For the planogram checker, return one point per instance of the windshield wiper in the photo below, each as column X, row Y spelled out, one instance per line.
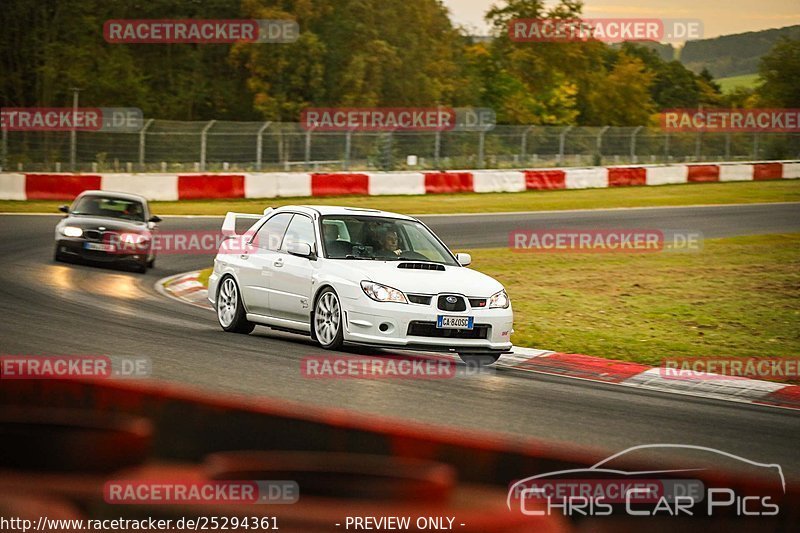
column 360, row 258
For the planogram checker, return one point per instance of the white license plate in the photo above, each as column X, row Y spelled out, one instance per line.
column 99, row 246
column 454, row 322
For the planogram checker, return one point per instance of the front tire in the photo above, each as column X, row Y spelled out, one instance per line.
column 230, row 308
column 140, row 268
column 326, row 321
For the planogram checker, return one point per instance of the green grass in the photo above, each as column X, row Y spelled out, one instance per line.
column 748, row 81
column 739, row 297
column 204, row 275
column 666, row 195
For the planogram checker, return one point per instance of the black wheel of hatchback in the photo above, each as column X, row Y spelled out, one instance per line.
column 140, row 267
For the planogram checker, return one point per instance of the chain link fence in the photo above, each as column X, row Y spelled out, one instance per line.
column 168, row 146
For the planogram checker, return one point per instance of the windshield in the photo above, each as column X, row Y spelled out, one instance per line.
column 105, row 206
column 381, row 239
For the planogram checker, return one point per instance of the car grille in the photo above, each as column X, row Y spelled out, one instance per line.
column 425, row 299
column 419, row 328
column 422, row 299
column 93, row 234
column 444, row 305
column 421, row 266
column 97, row 235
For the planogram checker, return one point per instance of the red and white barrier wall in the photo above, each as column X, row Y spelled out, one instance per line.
column 51, row 186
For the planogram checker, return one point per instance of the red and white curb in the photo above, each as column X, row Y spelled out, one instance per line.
column 185, row 288
column 194, row 186
column 636, row 375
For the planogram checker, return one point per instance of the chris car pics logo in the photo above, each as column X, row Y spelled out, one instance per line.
column 606, row 488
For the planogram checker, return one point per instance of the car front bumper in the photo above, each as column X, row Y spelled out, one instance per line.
column 75, row 248
column 413, row 326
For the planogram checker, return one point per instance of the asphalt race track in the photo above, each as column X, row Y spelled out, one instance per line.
column 491, row 230
column 52, row 308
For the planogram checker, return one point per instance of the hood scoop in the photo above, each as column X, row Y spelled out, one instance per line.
column 421, row 266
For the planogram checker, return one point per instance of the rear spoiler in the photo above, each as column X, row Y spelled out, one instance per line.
column 229, row 225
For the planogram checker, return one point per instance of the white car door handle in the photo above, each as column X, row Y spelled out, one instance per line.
column 278, row 262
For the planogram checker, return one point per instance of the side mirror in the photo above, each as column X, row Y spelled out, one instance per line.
column 464, row 259
column 64, row 209
column 301, row 249
column 154, row 219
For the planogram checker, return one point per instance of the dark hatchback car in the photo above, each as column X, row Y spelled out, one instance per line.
column 107, row 227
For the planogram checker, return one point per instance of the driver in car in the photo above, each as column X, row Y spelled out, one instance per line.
column 134, row 211
column 388, row 245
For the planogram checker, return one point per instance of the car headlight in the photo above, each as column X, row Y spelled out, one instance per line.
column 71, row 231
column 382, row 293
column 499, row 300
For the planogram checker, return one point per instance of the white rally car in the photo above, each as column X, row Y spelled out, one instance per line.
column 358, row 276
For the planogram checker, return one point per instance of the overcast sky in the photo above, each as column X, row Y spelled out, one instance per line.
column 720, row 17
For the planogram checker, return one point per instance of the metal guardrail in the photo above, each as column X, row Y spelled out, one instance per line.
column 164, row 146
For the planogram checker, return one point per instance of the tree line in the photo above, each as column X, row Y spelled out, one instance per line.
column 354, row 53
column 733, row 55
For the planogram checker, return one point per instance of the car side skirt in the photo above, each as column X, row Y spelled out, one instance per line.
column 280, row 323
